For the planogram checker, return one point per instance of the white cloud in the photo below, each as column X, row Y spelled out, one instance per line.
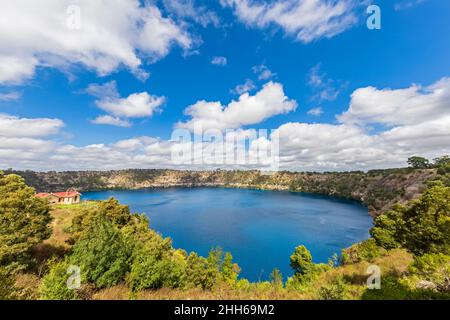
column 247, row 86
column 392, row 107
column 189, row 9
column 136, row 105
column 28, row 144
column 110, row 34
column 247, row 110
column 113, row 121
column 315, row 111
column 306, row 20
column 219, row 61
column 10, row 96
column 263, row 72
column 11, row 126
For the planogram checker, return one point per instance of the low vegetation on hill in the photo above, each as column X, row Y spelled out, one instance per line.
column 99, row 250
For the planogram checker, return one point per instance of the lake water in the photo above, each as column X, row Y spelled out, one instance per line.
column 260, row 228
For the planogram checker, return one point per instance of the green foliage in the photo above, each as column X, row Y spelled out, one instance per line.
column 24, row 222
column 7, row 289
column 434, row 269
column 304, row 269
column 115, row 212
column 102, row 254
column 422, row 227
column 54, row 284
column 200, row 272
column 334, row 291
column 366, row 250
column 276, row 278
column 392, row 288
column 301, row 261
column 155, row 265
column 230, row 270
column 418, row 162
column 443, row 161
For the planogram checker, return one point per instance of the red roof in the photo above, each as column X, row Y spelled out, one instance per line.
column 57, row 194
column 66, row 194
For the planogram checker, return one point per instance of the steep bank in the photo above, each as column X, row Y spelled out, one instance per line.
column 378, row 189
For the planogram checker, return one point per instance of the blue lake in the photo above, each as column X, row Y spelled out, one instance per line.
column 260, row 228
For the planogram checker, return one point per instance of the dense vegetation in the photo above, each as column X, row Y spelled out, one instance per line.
column 117, row 255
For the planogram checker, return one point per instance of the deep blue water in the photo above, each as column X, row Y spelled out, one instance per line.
column 260, row 228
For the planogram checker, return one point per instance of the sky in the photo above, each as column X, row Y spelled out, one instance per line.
column 99, row 85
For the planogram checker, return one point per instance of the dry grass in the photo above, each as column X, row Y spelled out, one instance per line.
column 62, row 218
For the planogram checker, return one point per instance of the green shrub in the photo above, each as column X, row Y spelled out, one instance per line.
column 102, row 254
column 7, row 289
column 364, row 251
column 432, row 270
column 155, row 265
column 54, row 284
column 334, row 291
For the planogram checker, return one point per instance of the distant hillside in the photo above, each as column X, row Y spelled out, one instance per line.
column 379, row 189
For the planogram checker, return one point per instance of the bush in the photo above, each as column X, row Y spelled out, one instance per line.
column 54, row 284
column 102, row 254
column 7, row 289
column 334, row 291
column 155, row 265
column 422, row 227
column 432, row 271
column 364, row 251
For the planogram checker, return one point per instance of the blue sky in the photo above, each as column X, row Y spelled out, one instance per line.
column 412, row 47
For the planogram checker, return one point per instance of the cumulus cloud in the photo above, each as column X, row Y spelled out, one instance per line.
column 269, row 101
column 219, row 61
column 392, row 107
column 11, row 126
column 100, row 35
column 348, row 145
column 136, row 105
column 305, row 20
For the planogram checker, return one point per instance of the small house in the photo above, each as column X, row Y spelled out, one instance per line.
column 68, row 197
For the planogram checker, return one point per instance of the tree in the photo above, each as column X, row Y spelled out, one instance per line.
column 102, row 254
column 24, row 222
column 418, row 162
column 276, row 278
column 230, row 270
column 422, row 227
column 301, row 261
column 441, row 161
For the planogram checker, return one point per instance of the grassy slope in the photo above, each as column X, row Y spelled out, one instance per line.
column 395, row 262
